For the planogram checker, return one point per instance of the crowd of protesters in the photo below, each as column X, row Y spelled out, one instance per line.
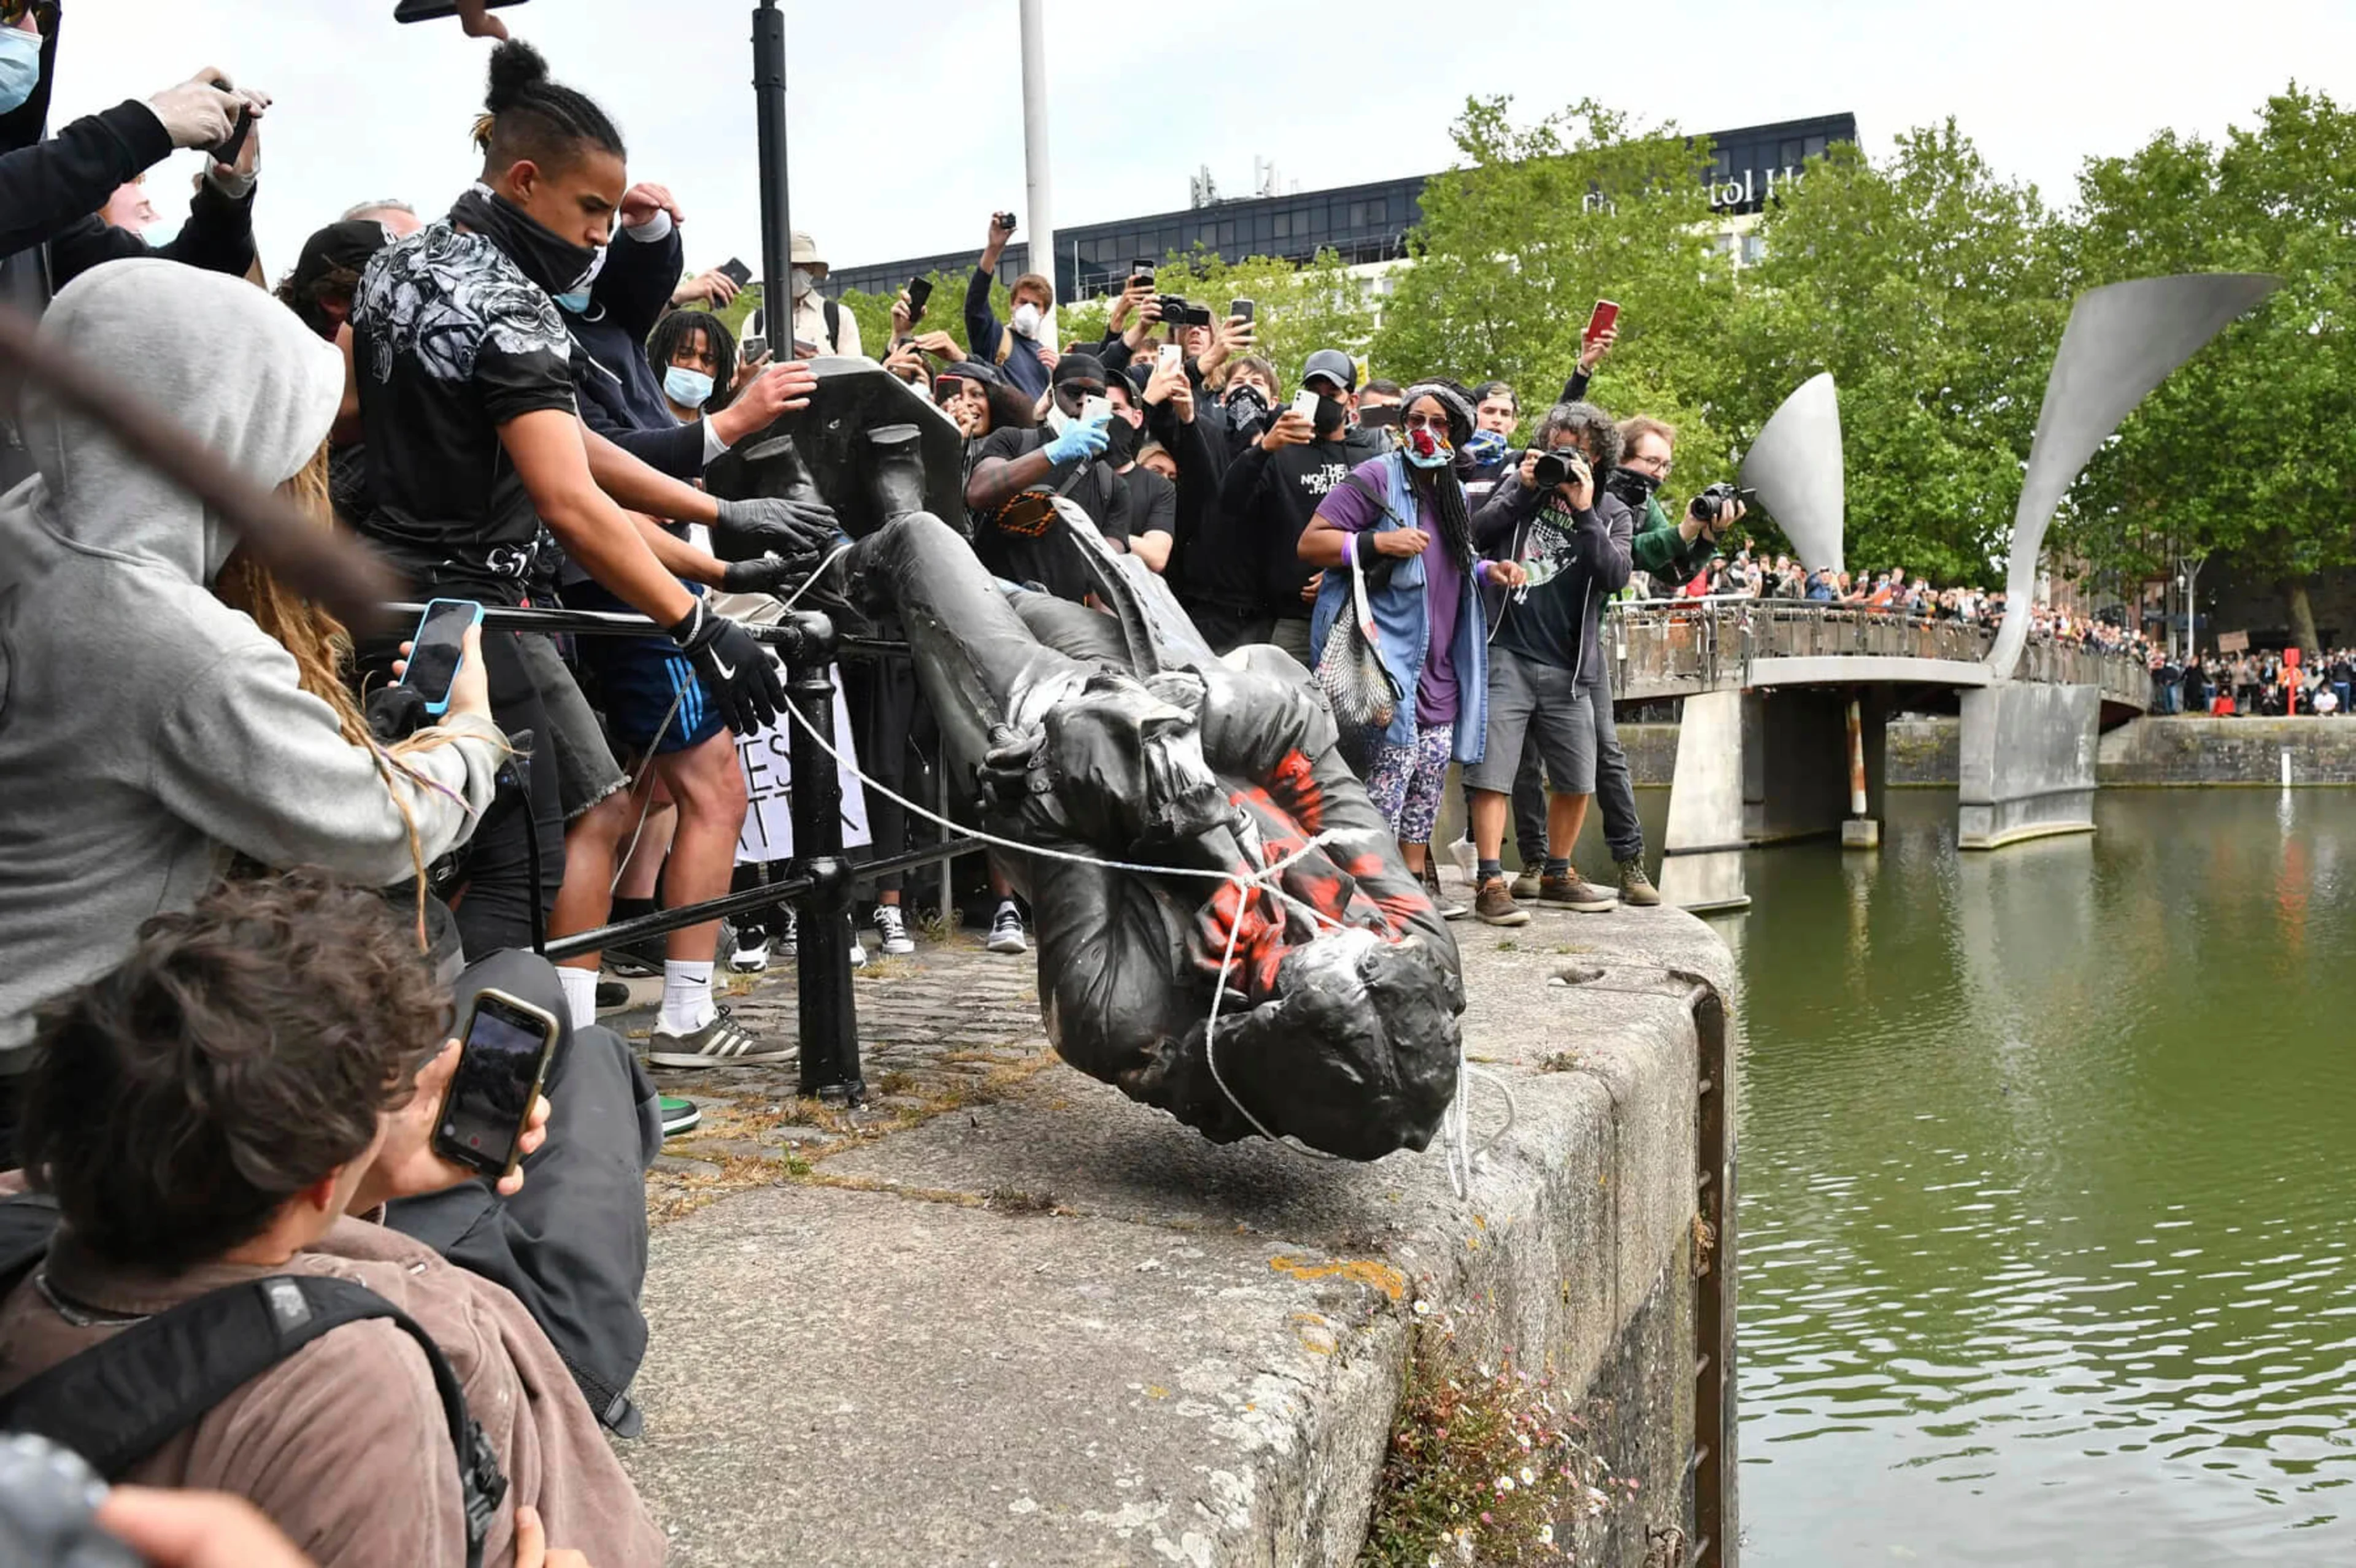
column 2264, row 684
column 217, row 1082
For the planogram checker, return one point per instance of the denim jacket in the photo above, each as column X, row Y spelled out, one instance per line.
column 1402, row 628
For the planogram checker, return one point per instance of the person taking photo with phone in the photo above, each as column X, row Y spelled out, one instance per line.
column 170, row 707
column 1021, row 355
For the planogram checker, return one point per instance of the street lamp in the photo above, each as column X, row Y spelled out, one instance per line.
column 777, row 223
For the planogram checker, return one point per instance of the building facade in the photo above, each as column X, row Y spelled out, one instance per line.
column 1363, row 224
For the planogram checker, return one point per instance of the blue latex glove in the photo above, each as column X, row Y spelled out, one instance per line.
column 1077, row 440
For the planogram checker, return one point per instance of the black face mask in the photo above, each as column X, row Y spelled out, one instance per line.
column 1633, row 485
column 1121, row 440
column 556, row 264
column 1245, row 406
column 1331, row 415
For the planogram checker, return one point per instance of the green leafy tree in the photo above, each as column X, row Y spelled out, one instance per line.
column 2249, row 449
column 1538, row 222
column 1932, row 290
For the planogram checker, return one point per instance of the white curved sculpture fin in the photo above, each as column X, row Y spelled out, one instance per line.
column 1795, row 466
column 2122, row 341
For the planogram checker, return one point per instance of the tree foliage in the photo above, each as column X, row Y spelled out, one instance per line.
column 2251, row 447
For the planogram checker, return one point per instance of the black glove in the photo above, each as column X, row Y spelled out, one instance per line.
column 735, row 669
column 763, row 574
column 793, row 529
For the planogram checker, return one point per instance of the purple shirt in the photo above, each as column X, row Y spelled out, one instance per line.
column 1348, row 510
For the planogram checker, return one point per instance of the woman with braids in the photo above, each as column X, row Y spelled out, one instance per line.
column 1401, row 520
column 163, row 707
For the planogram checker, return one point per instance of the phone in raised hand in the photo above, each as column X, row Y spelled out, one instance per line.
column 1304, row 403
column 737, row 271
column 1605, row 318
column 1170, row 357
column 437, row 650
column 1096, row 410
column 503, row 1059
column 919, row 291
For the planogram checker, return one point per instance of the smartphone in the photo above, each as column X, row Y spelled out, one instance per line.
column 919, row 291
column 228, row 151
column 1243, row 308
column 1380, row 416
column 1304, row 403
column 751, row 348
column 948, row 387
column 1606, row 316
column 737, row 271
column 434, row 10
column 1172, row 356
column 502, row 1058
column 437, row 650
column 1096, row 409
column 1141, row 271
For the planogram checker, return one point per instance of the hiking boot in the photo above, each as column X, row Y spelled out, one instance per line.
column 1495, row 906
column 1526, row 887
column 1450, row 908
column 723, row 1042
column 1006, row 933
column 1635, row 887
column 678, row 1115
column 892, row 927
column 1572, row 890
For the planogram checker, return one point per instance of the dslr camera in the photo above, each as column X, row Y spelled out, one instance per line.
column 1713, row 505
column 1176, row 312
column 1560, row 469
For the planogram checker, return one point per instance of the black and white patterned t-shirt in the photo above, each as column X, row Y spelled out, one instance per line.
column 450, row 341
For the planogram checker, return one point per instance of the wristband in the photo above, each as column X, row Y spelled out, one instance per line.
column 1368, row 554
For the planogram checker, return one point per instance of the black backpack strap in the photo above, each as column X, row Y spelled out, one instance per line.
column 119, row 1400
column 834, row 326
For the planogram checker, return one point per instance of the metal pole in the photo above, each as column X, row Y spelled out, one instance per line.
column 1035, row 154
column 1856, row 760
column 830, row 1016
column 776, row 222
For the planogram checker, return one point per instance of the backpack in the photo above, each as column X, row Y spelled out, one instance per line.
column 119, row 1400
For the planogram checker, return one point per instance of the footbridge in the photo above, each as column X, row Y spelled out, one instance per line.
column 1783, row 707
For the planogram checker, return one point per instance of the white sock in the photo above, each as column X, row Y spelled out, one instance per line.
column 580, row 993
column 687, row 1003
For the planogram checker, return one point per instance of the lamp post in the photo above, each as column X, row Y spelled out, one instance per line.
column 777, row 222
column 1034, row 158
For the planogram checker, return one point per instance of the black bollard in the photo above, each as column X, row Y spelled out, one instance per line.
column 829, row 1015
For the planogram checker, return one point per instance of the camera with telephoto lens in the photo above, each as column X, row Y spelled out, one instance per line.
column 1716, row 505
column 1560, row 469
column 48, row 1503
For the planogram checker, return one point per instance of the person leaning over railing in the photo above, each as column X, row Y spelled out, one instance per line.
column 169, row 707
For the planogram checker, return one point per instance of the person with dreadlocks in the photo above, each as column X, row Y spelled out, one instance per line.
column 169, row 706
column 1400, row 521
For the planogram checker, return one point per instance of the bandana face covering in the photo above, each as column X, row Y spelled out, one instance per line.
column 1486, row 446
column 557, row 265
column 1426, row 450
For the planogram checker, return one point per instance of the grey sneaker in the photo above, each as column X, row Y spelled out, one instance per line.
column 892, row 926
column 1572, row 890
column 1495, row 906
column 1449, row 907
column 1635, row 887
column 1006, row 933
column 1526, row 887
column 723, row 1042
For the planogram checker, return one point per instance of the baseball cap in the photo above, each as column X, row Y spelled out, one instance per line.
column 1333, row 365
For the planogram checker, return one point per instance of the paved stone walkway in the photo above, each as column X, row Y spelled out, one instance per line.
column 952, row 1025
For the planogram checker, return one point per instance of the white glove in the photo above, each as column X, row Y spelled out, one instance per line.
column 196, row 114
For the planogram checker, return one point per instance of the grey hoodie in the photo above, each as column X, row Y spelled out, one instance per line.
column 147, row 729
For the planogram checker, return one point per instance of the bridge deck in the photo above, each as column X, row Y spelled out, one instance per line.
column 1663, row 648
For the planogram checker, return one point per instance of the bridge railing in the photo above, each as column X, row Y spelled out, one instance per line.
column 1678, row 648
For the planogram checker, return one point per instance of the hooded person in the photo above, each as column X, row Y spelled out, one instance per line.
column 149, row 731
column 1015, row 472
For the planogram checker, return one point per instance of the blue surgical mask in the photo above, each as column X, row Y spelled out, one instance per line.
column 20, row 67
column 577, row 301
column 688, row 389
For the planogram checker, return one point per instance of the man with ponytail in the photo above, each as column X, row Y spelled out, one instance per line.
column 476, row 442
column 1399, row 521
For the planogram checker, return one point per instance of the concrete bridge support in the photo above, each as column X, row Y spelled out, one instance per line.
column 1762, row 767
column 2028, row 763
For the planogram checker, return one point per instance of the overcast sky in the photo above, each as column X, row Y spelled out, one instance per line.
column 906, row 124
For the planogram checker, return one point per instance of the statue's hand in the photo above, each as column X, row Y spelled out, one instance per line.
column 1014, row 769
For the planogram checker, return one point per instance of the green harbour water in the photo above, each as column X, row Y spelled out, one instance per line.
column 2046, row 1191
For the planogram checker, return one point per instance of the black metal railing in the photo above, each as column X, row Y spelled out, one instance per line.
column 818, row 878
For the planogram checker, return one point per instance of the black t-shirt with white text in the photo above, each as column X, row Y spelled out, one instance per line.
column 450, row 341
